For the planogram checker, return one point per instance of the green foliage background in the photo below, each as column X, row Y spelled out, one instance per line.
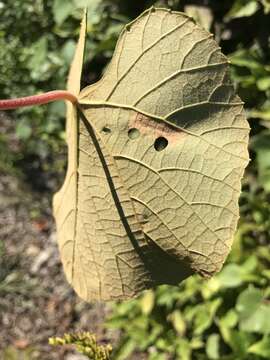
column 227, row 317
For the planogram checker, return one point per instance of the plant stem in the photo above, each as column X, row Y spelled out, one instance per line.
column 37, row 99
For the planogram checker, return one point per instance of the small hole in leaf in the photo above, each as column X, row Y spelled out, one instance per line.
column 145, row 216
column 160, row 143
column 133, row 133
column 106, row 130
column 128, row 28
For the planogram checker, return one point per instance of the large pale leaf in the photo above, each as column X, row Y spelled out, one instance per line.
column 161, row 149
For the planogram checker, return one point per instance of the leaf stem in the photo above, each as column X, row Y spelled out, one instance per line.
column 37, row 99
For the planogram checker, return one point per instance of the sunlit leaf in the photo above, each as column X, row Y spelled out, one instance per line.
column 205, row 315
column 261, row 348
column 184, row 349
column 253, row 312
column 248, row 302
column 264, row 83
column 258, row 321
column 242, row 8
column 212, row 346
column 231, row 276
column 178, row 322
column 147, row 302
column 226, row 324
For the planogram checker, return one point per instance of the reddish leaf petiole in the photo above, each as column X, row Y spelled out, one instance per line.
column 37, row 99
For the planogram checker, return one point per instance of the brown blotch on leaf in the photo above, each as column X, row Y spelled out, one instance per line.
column 158, row 128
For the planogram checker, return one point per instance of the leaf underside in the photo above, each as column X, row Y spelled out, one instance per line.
column 151, row 193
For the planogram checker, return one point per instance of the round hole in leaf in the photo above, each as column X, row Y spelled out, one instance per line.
column 145, row 215
column 106, row 130
column 133, row 133
column 160, row 143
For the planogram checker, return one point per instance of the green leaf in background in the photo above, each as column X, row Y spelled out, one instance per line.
column 125, row 350
column 89, row 4
column 226, row 324
column 147, row 302
column 231, row 276
column 239, row 343
column 61, row 10
column 254, row 314
column 258, row 321
column 264, row 83
column 204, row 315
column 23, row 129
column 68, row 51
column 247, row 58
column 248, row 302
column 38, row 63
column 242, row 8
column 261, row 348
column 266, row 4
column 178, row 321
column 184, row 349
column 260, row 144
column 262, row 113
column 212, row 346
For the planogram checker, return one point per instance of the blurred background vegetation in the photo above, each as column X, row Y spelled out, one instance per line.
column 227, row 317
